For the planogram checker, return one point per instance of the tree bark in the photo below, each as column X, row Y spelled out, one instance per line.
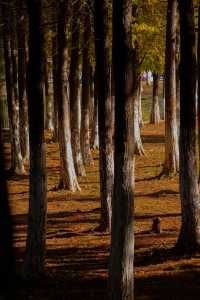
column 22, row 64
column 141, row 122
column 121, row 272
column 103, row 73
column 189, row 239
column 74, row 92
column 85, row 115
column 136, row 130
column 171, row 164
column 94, row 143
column 155, row 109
column 17, row 166
column 49, row 108
column 68, row 178
column 36, row 236
column 55, row 89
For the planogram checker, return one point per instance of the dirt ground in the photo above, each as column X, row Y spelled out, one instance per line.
column 77, row 256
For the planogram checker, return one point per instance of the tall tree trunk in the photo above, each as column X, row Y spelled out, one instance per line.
column 48, row 99
column 55, row 89
column 22, row 63
column 103, row 73
column 36, row 236
column 68, row 178
column 171, row 164
column 7, row 261
column 121, row 275
column 155, row 109
column 85, row 115
column 189, row 239
column 94, row 143
column 16, row 161
column 198, row 69
column 140, row 90
column 74, row 92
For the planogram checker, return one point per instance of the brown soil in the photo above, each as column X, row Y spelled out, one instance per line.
column 77, row 255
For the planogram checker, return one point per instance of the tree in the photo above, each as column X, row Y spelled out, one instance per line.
column 17, row 166
column 85, row 115
column 68, row 178
column 103, row 73
column 126, row 88
column 74, row 91
column 155, row 110
column 35, row 243
column 189, row 238
column 171, row 164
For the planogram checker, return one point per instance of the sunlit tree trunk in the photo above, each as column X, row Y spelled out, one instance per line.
column 74, row 92
column 155, row 109
column 36, row 237
column 48, row 99
column 171, row 164
column 121, row 272
column 136, row 130
column 189, row 239
column 68, row 178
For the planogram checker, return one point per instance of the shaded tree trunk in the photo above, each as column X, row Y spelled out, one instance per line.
column 103, row 73
column 55, row 89
column 121, row 271
column 141, row 123
column 189, row 239
column 155, row 109
column 74, row 92
column 10, row 69
column 94, row 143
column 36, row 236
column 48, row 99
column 171, row 164
column 85, row 115
column 22, row 63
column 68, row 178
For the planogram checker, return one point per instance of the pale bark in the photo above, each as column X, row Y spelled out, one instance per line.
column 68, row 178
column 48, row 99
column 171, row 164
column 140, row 103
column 136, row 130
column 155, row 109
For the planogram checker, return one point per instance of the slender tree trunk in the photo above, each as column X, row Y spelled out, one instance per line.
column 74, row 92
column 16, row 161
column 103, row 73
column 171, row 164
column 22, row 63
column 189, row 239
column 68, row 178
column 36, row 236
column 85, row 116
column 198, row 69
column 55, row 89
column 121, row 272
column 94, row 143
column 136, row 130
column 49, row 109
column 140, row 103
column 155, row 109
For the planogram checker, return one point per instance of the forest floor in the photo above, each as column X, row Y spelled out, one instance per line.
column 77, row 255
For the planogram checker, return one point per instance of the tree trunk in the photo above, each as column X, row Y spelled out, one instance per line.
column 140, row 103
column 136, row 130
column 22, row 63
column 36, row 236
column 171, row 164
column 74, row 92
column 68, row 178
column 85, row 116
column 55, row 89
column 155, row 109
column 198, row 87
column 94, row 143
column 121, row 273
column 189, row 239
column 103, row 73
column 16, row 161
column 49, row 109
